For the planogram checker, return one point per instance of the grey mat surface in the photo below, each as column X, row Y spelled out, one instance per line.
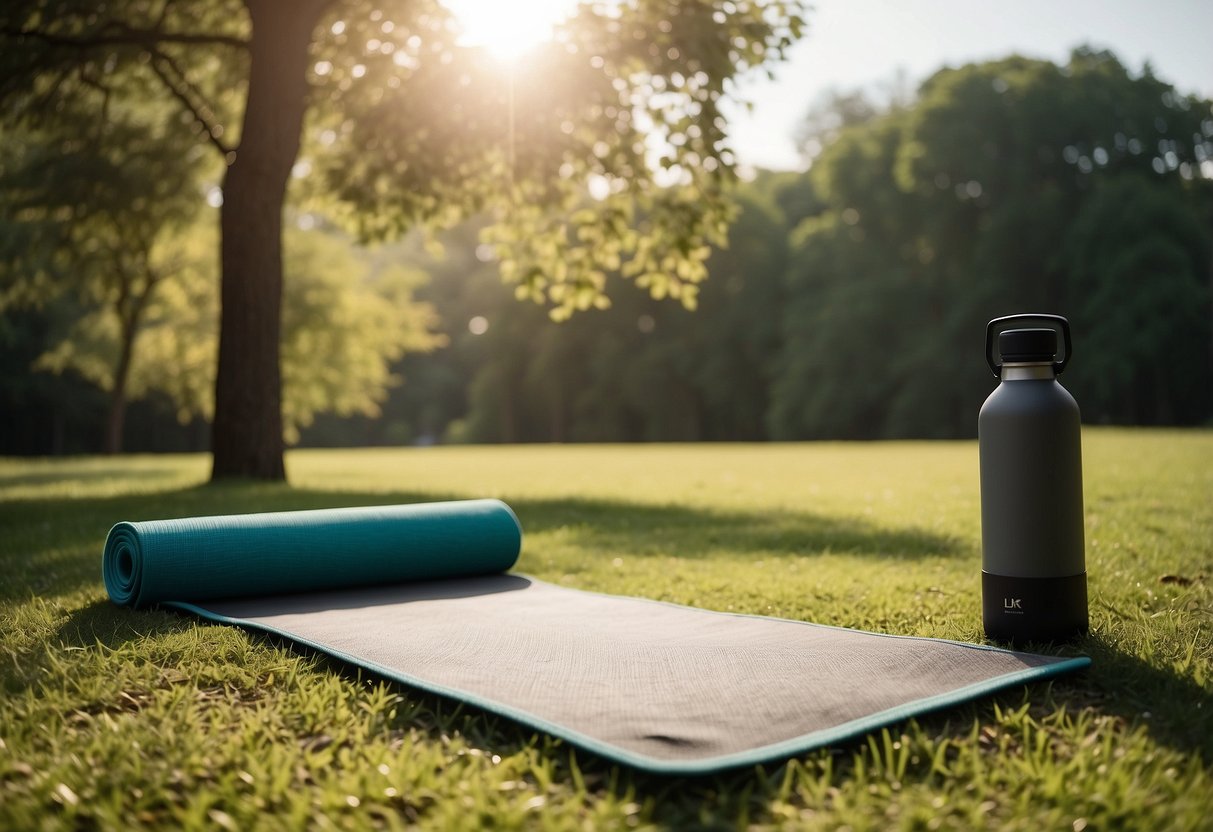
column 657, row 686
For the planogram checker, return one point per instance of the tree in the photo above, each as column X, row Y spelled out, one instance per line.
column 1007, row 186
column 1145, row 306
column 1024, row 148
column 644, row 369
column 832, row 112
column 347, row 319
column 856, row 288
column 81, row 222
column 42, row 413
column 414, row 130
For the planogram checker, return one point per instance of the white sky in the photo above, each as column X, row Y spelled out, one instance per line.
column 865, row 43
column 854, row 43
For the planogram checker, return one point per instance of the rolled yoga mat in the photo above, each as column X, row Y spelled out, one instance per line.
column 419, row 594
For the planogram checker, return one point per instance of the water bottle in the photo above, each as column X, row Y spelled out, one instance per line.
column 1033, row 568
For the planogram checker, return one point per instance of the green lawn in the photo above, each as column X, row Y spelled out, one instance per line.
column 117, row 718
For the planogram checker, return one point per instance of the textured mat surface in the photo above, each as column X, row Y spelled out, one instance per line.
column 657, row 686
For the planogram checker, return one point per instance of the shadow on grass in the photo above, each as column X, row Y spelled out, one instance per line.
column 1175, row 710
column 59, row 542
column 120, row 472
column 682, row 531
column 706, row 801
column 53, row 546
column 105, row 623
column 1117, row 684
column 97, row 623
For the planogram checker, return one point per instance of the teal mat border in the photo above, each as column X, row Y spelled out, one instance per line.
column 711, row 765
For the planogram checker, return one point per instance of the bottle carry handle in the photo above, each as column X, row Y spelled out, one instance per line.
column 997, row 325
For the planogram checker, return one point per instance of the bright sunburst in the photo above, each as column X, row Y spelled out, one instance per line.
column 508, row 29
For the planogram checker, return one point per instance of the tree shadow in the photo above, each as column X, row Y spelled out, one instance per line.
column 120, row 472
column 53, row 546
column 98, row 623
column 1118, row 684
column 640, row 529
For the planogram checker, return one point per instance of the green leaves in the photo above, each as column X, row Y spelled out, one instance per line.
column 348, row 317
column 1003, row 186
column 346, row 321
column 602, row 151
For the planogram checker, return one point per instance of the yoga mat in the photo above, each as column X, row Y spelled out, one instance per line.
column 419, row 594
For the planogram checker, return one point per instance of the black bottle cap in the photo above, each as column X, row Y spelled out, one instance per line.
column 1027, row 345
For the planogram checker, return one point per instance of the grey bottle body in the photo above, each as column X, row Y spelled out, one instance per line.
column 1033, row 556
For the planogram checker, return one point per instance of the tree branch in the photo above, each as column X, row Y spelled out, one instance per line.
column 101, row 88
column 184, row 92
column 164, row 9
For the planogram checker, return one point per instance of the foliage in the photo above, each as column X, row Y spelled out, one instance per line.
column 349, row 317
column 42, row 413
column 127, row 719
column 83, row 211
column 850, row 300
column 867, row 333
column 339, row 344
column 92, row 342
column 872, row 326
column 641, row 370
column 1144, row 306
column 413, row 126
column 346, row 320
column 1007, row 186
column 624, row 103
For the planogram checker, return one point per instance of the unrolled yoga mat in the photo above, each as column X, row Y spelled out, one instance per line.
column 419, row 594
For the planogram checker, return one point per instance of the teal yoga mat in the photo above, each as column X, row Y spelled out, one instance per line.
column 202, row 558
column 422, row 595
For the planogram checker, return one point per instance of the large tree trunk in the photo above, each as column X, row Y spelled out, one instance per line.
column 246, row 438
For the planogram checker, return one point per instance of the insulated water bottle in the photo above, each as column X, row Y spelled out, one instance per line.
column 1033, row 578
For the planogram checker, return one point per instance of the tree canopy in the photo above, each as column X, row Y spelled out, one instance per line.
column 405, row 127
column 850, row 301
column 1008, row 186
column 84, row 206
column 991, row 194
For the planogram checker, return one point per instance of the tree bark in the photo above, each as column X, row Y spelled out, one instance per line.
column 114, row 421
column 246, row 437
column 116, row 417
column 130, row 313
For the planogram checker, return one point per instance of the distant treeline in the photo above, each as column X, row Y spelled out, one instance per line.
column 851, row 300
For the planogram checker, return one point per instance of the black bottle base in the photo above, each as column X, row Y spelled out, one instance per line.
column 1034, row 609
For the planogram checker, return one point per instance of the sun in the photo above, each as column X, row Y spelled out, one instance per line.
column 508, row 29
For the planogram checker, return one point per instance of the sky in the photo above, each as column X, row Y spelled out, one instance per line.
column 865, row 43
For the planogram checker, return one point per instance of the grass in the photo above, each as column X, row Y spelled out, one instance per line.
column 122, row 719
